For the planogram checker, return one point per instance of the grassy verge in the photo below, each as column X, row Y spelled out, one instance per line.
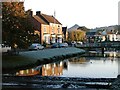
column 16, row 62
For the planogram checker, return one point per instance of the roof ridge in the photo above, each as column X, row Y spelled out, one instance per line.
column 50, row 19
column 46, row 14
column 39, row 19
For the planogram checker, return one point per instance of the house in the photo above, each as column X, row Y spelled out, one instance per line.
column 118, row 37
column 90, row 36
column 109, row 33
column 73, row 28
column 111, row 36
column 76, row 33
column 96, row 35
column 47, row 27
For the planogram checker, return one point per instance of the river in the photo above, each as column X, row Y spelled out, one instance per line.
column 85, row 66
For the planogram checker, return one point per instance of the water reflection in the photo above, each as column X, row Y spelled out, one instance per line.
column 52, row 69
column 106, row 54
column 112, row 54
column 55, row 69
column 78, row 60
column 28, row 72
column 90, row 66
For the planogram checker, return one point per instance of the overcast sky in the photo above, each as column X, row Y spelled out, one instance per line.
column 89, row 13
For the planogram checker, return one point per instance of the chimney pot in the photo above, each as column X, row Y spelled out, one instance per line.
column 30, row 13
column 38, row 12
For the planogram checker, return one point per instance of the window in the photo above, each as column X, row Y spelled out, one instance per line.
column 45, row 29
column 52, row 29
column 58, row 29
column 113, row 39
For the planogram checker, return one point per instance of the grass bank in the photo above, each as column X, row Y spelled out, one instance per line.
column 29, row 59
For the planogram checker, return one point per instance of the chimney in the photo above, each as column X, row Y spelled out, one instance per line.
column 38, row 12
column 30, row 13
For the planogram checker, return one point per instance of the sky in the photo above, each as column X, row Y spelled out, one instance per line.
column 89, row 13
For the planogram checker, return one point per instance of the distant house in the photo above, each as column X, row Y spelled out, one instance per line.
column 111, row 36
column 109, row 33
column 96, row 35
column 118, row 37
column 76, row 33
column 90, row 36
column 73, row 28
column 47, row 27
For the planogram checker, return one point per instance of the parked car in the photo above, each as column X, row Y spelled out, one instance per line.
column 78, row 44
column 36, row 46
column 59, row 45
column 55, row 45
column 63, row 45
column 73, row 43
column 4, row 48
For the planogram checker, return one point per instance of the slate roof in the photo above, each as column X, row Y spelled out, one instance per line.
column 75, row 27
column 39, row 19
column 50, row 19
column 90, row 33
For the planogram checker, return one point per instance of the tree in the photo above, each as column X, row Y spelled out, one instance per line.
column 77, row 35
column 16, row 26
column 83, row 28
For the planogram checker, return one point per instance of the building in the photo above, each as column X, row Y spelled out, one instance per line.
column 109, row 33
column 101, row 35
column 76, row 33
column 111, row 36
column 47, row 27
column 118, row 37
column 93, row 36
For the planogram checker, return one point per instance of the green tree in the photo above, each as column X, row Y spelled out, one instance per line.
column 16, row 25
column 76, row 35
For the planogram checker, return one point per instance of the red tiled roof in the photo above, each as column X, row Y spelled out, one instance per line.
column 50, row 19
column 39, row 19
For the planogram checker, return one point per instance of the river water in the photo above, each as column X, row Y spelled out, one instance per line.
column 85, row 66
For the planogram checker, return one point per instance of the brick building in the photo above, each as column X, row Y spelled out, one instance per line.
column 47, row 27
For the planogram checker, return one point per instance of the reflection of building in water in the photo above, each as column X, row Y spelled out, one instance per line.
column 54, row 69
column 28, row 72
column 65, row 64
column 77, row 60
column 111, row 54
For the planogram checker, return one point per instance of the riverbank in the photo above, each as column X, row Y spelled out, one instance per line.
column 33, row 58
column 40, row 82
